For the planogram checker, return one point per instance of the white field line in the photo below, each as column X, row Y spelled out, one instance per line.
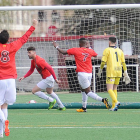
column 108, row 127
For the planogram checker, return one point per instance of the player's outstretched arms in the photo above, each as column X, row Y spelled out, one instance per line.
column 21, row 78
column 126, row 78
column 35, row 22
column 57, row 81
column 22, row 40
column 57, row 47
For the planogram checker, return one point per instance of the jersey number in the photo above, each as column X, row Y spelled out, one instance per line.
column 116, row 56
column 5, row 56
column 85, row 56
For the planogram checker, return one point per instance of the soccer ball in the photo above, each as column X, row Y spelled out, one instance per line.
column 32, row 101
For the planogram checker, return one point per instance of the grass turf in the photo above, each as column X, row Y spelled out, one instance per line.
column 77, row 97
column 101, row 124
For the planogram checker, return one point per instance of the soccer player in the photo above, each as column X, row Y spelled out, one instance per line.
column 84, row 95
column 47, row 82
column 84, row 69
column 8, row 74
column 113, row 57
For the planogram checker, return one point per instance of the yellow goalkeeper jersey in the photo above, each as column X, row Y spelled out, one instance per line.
column 114, row 57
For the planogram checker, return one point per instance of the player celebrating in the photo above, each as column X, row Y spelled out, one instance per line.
column 84, row 69
column 8, row 74
column 84, row 95
column 114, row 59
column 48, row 76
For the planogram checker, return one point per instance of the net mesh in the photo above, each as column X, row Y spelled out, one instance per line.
column 67, row 27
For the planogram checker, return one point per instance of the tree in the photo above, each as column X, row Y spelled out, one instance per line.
column 8, row 16
column 85, row 2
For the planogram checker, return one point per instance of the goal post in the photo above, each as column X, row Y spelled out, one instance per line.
column 66, row 25
column 136, row 87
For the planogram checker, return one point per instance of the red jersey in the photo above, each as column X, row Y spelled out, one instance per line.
column 44, row 69
column 82, row 58
column 7, row 56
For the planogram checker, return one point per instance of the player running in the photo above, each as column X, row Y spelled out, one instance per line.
column 84, row 69
column 8, row 74
column 114, row 59
column 48, row 77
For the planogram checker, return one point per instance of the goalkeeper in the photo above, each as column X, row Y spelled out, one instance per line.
column 113, row 57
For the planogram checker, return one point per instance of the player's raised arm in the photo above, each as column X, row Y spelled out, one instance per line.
column 60, row 50
column 35, row 22
column 22, row 40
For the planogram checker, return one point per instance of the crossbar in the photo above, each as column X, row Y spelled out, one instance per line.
column 70, row 7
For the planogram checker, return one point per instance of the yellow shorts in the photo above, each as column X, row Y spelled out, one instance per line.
column 113, row 80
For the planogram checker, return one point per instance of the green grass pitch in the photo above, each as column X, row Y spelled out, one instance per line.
column 95, row 124
column 99, row 124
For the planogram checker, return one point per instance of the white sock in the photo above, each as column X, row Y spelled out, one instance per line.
column 2, row 117
column 5, row 112
column 94, row 96
column 84, row 99
column 2, row 121
column 44, row 96
column 54, row 95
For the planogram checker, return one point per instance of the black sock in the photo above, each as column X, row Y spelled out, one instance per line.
column 83, row 108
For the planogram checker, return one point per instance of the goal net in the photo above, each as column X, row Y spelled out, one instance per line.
column 67, row 27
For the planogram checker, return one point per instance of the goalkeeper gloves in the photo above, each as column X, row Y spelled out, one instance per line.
column 126, row 78
column 99, row 73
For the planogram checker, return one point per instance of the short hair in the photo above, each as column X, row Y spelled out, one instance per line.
column 82, row 40
column 112, row 39
column 31, row 48
column 4, row 36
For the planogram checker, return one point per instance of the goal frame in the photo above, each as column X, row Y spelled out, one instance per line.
column 70, row 7
column 77, row 7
